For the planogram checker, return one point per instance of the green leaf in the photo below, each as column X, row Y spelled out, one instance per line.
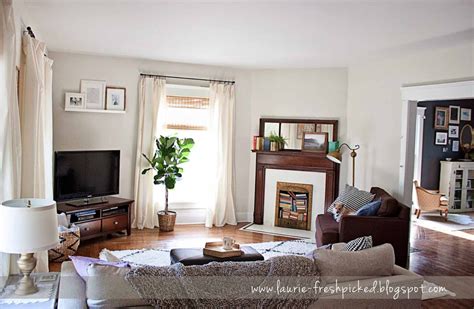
column 170, row 182
column 146, row 170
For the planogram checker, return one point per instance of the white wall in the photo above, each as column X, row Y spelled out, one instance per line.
column 308, row 93
column 374, row 105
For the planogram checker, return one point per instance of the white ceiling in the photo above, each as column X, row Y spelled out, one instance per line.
column 256, row 34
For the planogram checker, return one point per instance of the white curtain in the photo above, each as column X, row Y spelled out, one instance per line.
column 152, row 98
column 221, row 208
column 10, row 139
column 36, row 111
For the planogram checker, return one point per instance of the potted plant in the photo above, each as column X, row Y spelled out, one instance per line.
column 170, row 153
column 277, row 142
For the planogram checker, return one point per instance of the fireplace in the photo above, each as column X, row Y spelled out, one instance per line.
column 293, row 205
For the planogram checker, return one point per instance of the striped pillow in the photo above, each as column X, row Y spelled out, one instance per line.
column 358, row 244
column 352, row 198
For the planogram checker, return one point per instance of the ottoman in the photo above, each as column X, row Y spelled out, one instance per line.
column 196, row 257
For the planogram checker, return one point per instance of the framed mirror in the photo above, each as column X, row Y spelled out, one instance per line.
column 292, row 130
column 465, row 139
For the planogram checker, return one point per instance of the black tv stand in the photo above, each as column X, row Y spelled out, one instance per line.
column 88, row 201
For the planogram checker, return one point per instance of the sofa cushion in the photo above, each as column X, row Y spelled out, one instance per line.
column 352, row 265
column 352, row 198
column 107, row 288
column 369, row 209
column 327, row 230
column 82, row 262
column 361, row 243
column 389, row 206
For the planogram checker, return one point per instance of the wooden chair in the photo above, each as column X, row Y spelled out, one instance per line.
column 429, row 200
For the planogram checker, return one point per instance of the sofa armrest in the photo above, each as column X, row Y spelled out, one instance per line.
column 72, row 288
column 391, row 230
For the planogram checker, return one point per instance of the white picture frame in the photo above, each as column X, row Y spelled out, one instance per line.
column 115, row 98
column 74, row 101
column 465, row 114
column 455, row 146
column 453, row 131
column 441, row 138
column 454, row 114
column 95, row 93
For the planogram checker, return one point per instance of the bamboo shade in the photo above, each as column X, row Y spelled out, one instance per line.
column 187, row 102
column 185, row 127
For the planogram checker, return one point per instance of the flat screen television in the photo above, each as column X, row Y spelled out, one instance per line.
column 86, row 174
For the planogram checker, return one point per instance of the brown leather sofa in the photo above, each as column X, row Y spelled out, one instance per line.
column 391, row 225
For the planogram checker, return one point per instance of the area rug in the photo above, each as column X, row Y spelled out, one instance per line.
column 278, row 231
column 456, row 222
column 161, row 257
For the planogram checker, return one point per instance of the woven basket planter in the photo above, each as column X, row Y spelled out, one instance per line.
column 166, row 220
column 68, row 244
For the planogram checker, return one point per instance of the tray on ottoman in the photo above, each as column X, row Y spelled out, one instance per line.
column 195, row 256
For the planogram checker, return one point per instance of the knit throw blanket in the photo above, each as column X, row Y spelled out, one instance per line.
column 283, row 282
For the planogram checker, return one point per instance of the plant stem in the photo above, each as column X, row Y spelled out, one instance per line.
column 166, row 200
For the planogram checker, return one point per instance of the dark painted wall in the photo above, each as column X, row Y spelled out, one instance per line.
column 433, row 154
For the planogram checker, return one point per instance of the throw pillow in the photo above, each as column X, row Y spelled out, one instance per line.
column 352, row 198
column 82, row 262
column 389, row 208
column 369, row 209
column 359, row 244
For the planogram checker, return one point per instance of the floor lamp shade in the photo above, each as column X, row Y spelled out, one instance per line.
column 28, row 225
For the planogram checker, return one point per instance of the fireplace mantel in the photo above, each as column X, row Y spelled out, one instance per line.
column 293, row 160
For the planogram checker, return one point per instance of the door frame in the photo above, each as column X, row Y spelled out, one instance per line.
column 411, row 95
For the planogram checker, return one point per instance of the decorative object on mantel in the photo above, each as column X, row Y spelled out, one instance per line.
column 441, row 118
column 454, row 114
column 116, row 98
column 28, row 226
column 317, row 142
column 336, row 156
column 166, row 162
column 74, row 101
column 95, row 93
column 277, row 142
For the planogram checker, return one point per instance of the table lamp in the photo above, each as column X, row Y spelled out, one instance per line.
column 336, row 157
column 28, row 226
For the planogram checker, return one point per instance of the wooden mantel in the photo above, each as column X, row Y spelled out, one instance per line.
column 297, row 161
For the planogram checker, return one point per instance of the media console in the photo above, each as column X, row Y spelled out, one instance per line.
column 100, row 219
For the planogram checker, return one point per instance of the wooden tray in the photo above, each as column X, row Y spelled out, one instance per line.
column 216, row 249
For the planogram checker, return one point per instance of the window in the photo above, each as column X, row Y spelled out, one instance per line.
column 187, row 115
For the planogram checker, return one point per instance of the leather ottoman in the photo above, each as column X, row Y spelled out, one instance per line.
column 196, row 257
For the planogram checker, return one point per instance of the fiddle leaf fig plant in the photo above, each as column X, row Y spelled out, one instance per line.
column 171, row 152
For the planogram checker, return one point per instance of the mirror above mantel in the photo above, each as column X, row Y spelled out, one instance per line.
column 292, row 129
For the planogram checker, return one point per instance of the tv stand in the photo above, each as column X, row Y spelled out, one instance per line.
column 88, row 201
column 94, row 220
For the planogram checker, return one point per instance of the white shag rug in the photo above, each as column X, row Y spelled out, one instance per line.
column 161, row 257
column 455, row 222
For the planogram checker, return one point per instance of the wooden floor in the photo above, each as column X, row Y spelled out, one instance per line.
column 435, row 254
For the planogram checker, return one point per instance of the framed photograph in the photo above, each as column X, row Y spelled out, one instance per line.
column 95, row 93
column 453, row 131
column 465, row 114
column 305, row 128
column 74, row 101
column 116, row 98
column 455, row 146
column 441, row 118
column 454, row 114
column 441, row 138
column 317, row 142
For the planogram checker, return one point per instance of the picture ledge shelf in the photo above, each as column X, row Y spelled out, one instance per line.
column 104, row 111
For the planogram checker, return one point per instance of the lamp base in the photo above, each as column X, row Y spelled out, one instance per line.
column 26, row 285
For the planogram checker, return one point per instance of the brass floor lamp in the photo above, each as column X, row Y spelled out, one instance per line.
column 336, row 157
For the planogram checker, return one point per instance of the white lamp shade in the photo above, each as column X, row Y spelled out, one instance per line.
column 28, row 228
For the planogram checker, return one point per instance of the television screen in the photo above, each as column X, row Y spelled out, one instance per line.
column 82, row 174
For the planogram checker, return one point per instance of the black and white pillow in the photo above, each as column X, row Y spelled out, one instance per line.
column 352, row 198
column 358, row 244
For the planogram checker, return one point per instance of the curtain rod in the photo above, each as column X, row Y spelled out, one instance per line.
column 188, row 78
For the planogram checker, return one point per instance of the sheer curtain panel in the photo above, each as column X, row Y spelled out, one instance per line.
column 221, row 209
column 152, row 97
